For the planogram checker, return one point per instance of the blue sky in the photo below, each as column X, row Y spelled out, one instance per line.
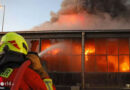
column 25, row 14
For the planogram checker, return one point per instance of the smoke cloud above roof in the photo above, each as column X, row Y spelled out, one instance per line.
column 89, row 15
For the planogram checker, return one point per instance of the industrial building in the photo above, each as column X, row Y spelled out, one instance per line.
column 90, row 59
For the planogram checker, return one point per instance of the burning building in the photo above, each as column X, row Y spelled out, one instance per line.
column 94, row 59
column 86, row 44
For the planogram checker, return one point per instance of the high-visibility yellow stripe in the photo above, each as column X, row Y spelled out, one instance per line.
column 6, row 73
column 49, row 84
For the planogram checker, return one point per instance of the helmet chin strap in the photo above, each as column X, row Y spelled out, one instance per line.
column 6, row 49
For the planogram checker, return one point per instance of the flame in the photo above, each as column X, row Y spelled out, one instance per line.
column 72, row 19
column 55, row 51
column 112, row 63
column 46, row 45
column 73, row 53
column 124, row 66
column 89, row 51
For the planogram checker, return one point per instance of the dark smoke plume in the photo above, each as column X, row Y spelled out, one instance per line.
column 112, row 7
column 103, row 14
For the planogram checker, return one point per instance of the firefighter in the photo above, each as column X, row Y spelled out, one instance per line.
column 13, row 53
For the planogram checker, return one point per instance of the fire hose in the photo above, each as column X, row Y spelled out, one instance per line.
column 19, row 75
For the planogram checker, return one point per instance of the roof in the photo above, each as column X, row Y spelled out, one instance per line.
column 73, row 33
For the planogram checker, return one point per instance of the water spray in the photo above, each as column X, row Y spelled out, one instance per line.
column 59, row 45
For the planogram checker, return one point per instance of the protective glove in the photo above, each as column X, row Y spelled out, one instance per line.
column 49, row 84
column 36, row 64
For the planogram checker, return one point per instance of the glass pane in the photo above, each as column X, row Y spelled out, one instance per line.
column 45, row 44
column 101, row 64
column 124, row 63
column 112, row 63
column 56, row 53
column 76, row 63
column 76, row 47
column 61, row 63
column 33, row 45
column 112, row 46
column 65, row 63
column 67, row 47
column 100, row 46
column 90, row 47
column 51, row 62
column 124, row 46
column 90, row 63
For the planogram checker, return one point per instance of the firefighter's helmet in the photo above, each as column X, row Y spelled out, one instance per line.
column 15, row 42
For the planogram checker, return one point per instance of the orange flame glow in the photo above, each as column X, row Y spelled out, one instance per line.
column 55, row 51
column 124, row 66
column 115, row 63
column 72, row 19
column 89, row 51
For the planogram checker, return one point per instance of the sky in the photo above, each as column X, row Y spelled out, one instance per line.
column 26, row 14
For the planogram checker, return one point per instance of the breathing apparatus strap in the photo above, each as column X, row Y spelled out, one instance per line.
column 6, row 73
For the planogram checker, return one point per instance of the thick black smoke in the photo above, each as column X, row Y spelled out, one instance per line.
column 113, row 7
